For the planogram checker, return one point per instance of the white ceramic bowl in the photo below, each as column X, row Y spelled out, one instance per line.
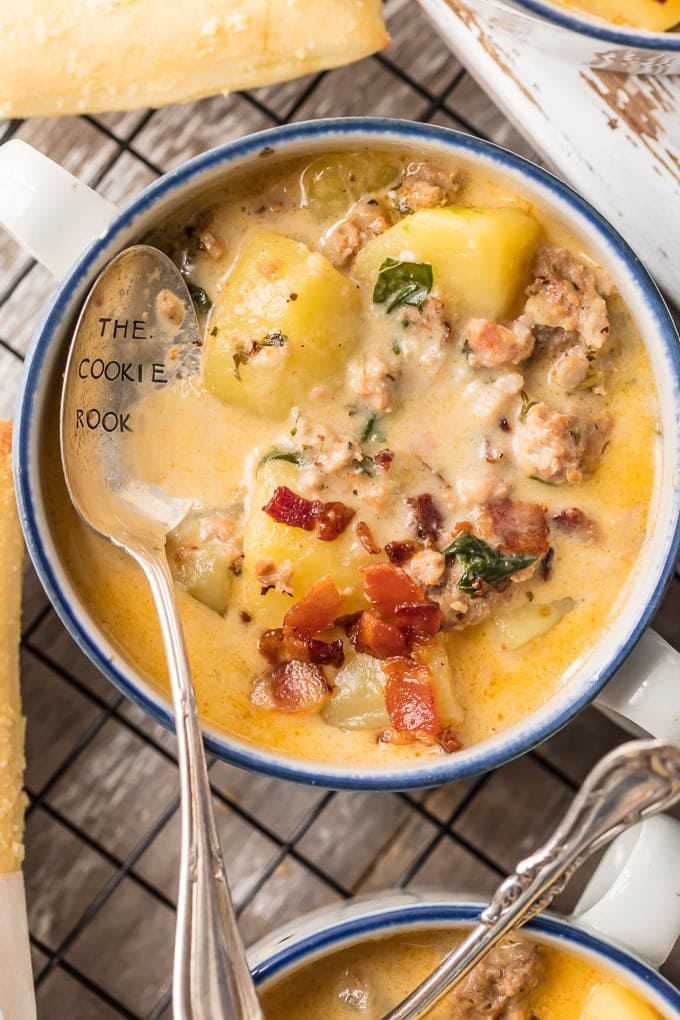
column 33, row 192
column 601, row 931
column 569, row 35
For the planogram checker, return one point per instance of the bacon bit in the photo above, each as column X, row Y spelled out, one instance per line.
column 387, row 587
column 375, row 637
column 365, row 536
column 271, row 645
column 278, row 647
column 573, row 519
column 422, row 618
column 287, row 507
column 409, row 697
column 315, row 612
column 428, row 519
column 401, row 552
column 350, row 624
column 518, row 527
column 326, row 653
column 384, row 458
column 333, row 519
column 448, row 740
column 292, row 687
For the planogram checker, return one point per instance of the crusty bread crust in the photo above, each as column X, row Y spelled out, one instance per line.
column 11, row 721
column 75, row 56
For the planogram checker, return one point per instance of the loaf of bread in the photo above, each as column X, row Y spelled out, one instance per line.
column 11, row 720
column 78, row 56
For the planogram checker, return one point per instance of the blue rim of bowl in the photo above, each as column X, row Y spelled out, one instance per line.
column 662, row 42
column 408, row 916
column 232, row 750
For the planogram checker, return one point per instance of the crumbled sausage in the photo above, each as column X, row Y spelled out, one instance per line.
column 373, row 379
column 275, row 575
column 426, row 332
column 499, row 986
column 366, row 219
column 325, row 449
column 570, row 369
column 424, row 186
column 565, row 295
column 513, row 525
column 558, row 448
column 426, row 567
column 491, row 344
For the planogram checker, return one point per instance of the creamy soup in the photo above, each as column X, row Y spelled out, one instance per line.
column 652, row 15
column 518, row 980
column 421, row 452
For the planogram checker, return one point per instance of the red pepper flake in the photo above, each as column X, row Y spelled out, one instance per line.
column 333, row 519
column 387, row 587
column 383, row 458
column 428, row 519
column 292, row 687
column 421, row 618
column 365, row 536
column 448, row 740
column 287, row 507
column 409, row 697
column 375, row 637
column 315, row 612
column 402, row 552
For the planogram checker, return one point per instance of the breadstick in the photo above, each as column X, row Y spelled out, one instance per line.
column 11, row 721
column 76, row 56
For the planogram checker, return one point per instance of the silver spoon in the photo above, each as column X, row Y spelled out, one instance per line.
column 633, row 782
column 136, row 333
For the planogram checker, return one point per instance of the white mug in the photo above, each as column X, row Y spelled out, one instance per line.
column 626, row 921
column 74, row 232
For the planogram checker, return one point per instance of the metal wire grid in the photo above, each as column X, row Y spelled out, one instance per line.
column 101, row 824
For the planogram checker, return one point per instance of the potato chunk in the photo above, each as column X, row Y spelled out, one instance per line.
column 284, row 319
column 301, row 554
column 609, row 1001
column 480, row 258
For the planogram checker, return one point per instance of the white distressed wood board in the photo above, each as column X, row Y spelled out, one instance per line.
column 614, row 137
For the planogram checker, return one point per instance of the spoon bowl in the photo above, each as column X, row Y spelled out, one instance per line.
column 138, row 332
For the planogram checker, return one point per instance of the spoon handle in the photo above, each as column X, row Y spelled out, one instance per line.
column 631, row 783
column 211, row 979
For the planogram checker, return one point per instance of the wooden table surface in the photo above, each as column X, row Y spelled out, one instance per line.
column 102, row 831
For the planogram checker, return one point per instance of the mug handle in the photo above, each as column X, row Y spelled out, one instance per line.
column 633, row 898
column 51, row 214
column 643, row 696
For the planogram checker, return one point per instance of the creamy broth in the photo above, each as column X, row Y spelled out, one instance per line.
column 407, row 382
column 646, row 14
column 370, row 978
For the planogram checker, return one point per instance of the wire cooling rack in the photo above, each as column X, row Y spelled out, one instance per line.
column 102, row 829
